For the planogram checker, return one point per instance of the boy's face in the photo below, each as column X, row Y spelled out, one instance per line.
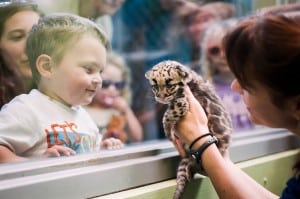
column 76, row 78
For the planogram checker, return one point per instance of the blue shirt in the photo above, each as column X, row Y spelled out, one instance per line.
column 292, row 190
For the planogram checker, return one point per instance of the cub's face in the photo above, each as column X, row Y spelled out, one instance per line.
column 165, row 79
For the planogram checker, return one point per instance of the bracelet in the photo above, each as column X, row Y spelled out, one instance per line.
column 198, row 138
column 196, row 154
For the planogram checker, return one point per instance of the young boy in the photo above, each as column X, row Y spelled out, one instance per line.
column 66, row 53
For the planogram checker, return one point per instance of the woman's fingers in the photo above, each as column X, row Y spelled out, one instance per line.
column 195, row 107
column 194, row 123
column 179, row 146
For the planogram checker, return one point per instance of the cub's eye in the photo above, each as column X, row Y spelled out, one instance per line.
column 154, row 87
column 170, row 85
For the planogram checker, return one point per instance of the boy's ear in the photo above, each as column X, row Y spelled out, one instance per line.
column 44, row 66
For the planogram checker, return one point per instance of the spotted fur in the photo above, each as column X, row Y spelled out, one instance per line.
column 167, row 80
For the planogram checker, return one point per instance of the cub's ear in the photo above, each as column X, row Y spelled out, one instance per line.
column 147, row 74
column 184, row 73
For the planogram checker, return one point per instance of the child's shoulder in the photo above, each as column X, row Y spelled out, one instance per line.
column 24, row 102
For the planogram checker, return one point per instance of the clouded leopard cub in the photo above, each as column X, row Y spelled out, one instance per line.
column 167, row 80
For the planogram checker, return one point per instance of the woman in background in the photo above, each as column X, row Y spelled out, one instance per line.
column 16, row 20
column 216, row 70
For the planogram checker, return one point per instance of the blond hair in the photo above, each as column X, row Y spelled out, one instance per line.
column 219, row 28
column 54, row 35
column 119, row 62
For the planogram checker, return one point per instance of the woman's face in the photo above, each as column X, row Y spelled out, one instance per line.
column 261, row 109
column 13, row 40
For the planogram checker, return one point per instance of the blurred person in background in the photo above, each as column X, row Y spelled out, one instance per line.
column 100, row 11
column 16, row 20
column 110, row 108
column 199, row 20
column 216, row 70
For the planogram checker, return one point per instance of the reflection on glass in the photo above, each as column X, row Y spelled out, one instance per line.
column 146, row 32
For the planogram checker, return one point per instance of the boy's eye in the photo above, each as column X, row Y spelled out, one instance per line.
column 88, row 69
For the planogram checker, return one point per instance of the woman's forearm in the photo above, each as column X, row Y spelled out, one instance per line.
column 229, row 180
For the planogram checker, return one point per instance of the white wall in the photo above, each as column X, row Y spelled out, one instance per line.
column 49, row 6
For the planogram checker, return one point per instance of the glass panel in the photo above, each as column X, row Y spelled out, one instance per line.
column 98, row 174
column 144, row 33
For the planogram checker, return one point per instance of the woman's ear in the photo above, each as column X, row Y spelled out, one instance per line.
column 296, row 107
column 44, row 66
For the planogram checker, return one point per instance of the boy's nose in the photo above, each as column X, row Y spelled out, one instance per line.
column 97, row 80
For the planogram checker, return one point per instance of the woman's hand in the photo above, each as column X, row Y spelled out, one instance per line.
column 194, row 123
column 180, row 148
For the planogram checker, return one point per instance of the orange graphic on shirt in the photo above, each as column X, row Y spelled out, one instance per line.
column 66, row 128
